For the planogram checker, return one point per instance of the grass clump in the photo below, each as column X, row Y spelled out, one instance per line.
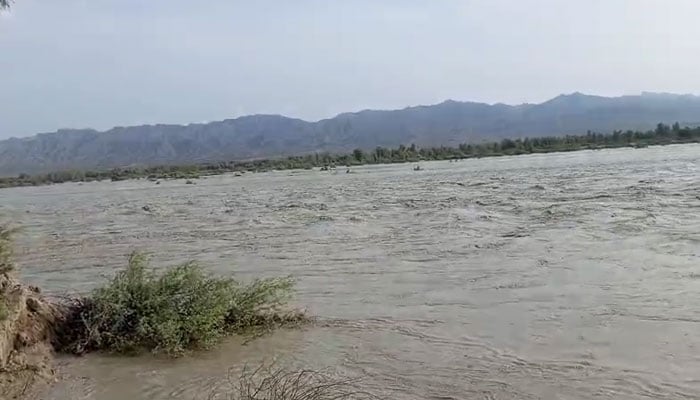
column 3, row 310
column 181, row 309
column 269, row 383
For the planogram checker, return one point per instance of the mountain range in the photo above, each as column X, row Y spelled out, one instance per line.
column 265, row 136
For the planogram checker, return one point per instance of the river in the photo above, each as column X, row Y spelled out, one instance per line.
column 557, row 276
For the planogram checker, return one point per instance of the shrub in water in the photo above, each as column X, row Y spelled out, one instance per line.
column 183, row 308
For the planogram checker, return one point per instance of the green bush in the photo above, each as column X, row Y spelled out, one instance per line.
column 184, row 308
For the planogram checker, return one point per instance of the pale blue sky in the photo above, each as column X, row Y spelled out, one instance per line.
column 101, row 63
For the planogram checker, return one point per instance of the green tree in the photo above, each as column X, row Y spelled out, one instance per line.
column 676, row 127
column 358, row 154
column 507, row 144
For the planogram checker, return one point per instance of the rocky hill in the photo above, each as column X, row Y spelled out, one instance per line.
column 262, row 136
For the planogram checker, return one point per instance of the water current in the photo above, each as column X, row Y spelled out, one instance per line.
column 558, row 276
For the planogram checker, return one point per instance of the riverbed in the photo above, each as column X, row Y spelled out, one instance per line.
column 555, row 276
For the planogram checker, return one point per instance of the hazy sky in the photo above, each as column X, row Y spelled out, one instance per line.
column 101, row 63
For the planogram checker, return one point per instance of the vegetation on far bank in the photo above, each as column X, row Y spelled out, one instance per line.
column 662, row 135
column 272, row 383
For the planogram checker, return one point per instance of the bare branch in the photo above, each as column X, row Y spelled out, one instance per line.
column 267, row 383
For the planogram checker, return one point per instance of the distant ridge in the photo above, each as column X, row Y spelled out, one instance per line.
column 257, row 136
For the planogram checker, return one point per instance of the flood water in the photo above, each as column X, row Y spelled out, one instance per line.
column 559, row 276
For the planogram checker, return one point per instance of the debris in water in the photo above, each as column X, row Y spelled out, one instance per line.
column 452, row 183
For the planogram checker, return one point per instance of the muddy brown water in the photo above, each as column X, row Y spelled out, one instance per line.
column 560, row 276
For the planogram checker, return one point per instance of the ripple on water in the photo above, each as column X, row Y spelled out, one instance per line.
column 540, row 277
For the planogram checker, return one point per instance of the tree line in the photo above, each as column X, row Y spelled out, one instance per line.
column 662, row 135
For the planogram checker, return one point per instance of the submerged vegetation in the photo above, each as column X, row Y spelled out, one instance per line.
column 269, row 383
column 181, row 309
column 662, row 135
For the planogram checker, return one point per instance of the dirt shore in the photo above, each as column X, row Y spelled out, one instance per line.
column 27, row 321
